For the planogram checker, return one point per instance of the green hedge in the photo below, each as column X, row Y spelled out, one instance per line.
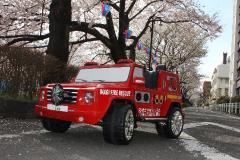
column 17, row 108
column 223, row 99
column 23, row 70
column 226, row 99
column 235, row 99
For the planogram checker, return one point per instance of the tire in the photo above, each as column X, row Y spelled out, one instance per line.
column 174, row 124
column 160, row 129
column 54, row 125
column 118, row 125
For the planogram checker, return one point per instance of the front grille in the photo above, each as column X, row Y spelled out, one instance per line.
column 70, row 95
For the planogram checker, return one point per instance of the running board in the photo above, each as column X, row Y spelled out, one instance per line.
column 154, row 119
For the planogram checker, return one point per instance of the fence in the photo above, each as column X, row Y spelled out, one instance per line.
column 230, row 108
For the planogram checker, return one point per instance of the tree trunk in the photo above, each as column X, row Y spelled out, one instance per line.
column 117, row 53
column 59, row 19
column 133, row 54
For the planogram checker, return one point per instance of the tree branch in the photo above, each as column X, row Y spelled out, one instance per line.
column 181, row 21
column 30, row 38
column 115, row 6
column 139, row 12
column 20, row 36
column 4, row 60
column 131, row 6
column 84, row 40
column 100, row 54
column 83, row 27
column 136, row 39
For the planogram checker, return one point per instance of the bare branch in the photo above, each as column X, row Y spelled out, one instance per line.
column 115, row 6
column 139, row 12
column 84, row 40
column 131, row 6
column 83, row 27
column 31, row 38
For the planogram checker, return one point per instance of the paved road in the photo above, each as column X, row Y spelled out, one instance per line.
column 207, row 135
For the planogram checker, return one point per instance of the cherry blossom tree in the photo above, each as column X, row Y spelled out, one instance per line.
column 56, row 24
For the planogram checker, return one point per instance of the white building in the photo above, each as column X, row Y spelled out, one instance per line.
column 220, row 79
column 234, row 81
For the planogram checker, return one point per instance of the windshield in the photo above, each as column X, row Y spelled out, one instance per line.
column 114, row 74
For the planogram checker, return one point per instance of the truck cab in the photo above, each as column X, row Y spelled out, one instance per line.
column 116, row 96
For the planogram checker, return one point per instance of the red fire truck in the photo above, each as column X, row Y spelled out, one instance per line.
column 116, row 96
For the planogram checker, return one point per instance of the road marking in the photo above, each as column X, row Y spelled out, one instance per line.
column 219, row 115
column 192, row 145
column 186, row 126
column 9, row 136
column 198, row 124
column 209, row 113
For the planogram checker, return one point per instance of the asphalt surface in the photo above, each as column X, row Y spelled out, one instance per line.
column 207, row 135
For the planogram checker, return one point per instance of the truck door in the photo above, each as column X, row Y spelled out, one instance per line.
column 143, row 97
column 159, row 95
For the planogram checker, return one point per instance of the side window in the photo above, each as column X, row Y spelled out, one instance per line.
column 172, row 84
column 138, row 72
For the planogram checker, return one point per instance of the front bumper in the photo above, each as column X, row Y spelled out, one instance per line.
column 74, row 114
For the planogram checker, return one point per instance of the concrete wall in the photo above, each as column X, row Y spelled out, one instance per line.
column 235, row 46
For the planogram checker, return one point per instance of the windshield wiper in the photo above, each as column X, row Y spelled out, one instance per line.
column 99, row 80
column 82, row 80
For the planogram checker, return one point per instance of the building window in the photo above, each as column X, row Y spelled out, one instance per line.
column 238, row 54
column 226, row 92
column 227, row 81
column 237, row 91
column 238, row 73
column 223, row 92
column 218, row 92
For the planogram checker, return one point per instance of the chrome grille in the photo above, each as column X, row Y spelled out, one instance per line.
column 70, row 95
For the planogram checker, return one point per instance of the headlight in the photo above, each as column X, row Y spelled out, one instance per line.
column 42, row 94
column 89, row 98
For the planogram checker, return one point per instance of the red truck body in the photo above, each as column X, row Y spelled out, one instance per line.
column 148, row 103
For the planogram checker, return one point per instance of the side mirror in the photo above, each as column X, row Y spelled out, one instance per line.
column 72, row 80
column 139, row 81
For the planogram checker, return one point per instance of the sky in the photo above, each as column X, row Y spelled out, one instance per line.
column 224, row 8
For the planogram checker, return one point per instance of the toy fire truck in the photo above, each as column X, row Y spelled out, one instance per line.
column 116, row 96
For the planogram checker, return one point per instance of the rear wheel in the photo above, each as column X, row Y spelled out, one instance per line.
column 118, row 124
column 174, row 124
column 55, row 125
column 160, row 127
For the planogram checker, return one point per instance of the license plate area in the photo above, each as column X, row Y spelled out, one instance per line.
column 59, row 108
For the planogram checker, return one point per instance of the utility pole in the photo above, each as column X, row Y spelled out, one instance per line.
column 151, row 43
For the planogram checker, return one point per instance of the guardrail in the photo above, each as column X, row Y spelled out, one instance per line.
column 230, row 108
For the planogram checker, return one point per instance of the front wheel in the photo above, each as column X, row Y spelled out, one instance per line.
column 118, row 124
column 174, row 124
column 55, row 125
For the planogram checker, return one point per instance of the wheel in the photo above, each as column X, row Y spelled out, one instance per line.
column 55, row 125
column 118, row 125
column 174, row 124
column 160, row 127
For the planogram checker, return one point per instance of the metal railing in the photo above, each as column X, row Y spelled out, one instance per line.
column 230, row 108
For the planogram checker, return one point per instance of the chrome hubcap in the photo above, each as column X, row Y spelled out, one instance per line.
column 177, row 123
column 129, row 125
